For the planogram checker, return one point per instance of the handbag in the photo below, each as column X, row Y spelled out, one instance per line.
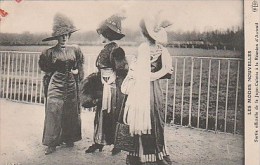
column 123, row 139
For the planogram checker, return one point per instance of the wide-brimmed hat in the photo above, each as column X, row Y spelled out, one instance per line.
column 112, row 23
column 61, row 25
column 155, row 27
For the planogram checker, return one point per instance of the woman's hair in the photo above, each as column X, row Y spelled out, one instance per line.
column 107, row 33
column 145, row 32
column 69, row 34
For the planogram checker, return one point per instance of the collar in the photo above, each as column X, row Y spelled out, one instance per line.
column 112, row 43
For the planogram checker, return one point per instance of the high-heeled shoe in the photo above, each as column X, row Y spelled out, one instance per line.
column 50, row 150
column 94, row 147
column 115, row 151
column 168, row 159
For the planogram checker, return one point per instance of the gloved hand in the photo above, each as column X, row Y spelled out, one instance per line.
column 74, row 71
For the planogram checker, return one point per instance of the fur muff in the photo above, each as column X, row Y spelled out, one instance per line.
column 91, row 89
column 119, row 62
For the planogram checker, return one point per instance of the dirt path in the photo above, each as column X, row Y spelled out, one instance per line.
column 21, row 133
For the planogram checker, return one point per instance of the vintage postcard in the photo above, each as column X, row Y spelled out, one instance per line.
column 129, row 82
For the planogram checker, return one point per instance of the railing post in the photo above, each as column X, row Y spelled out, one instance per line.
column 182, row 92
column 235, row 121
column 226, row 105
column 174, row 93
column 20, row 68
column 28, row 77
column 191, row 86
column 24, row 77
column 32, row 76
column 12, row 74
column 37, row 79
column 8, row 74
column 15, row 81
column 198, row 117
column 216, row 121
column 4, row 76
column 207, row 111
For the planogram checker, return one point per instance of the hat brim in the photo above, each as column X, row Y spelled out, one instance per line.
column 116, row 35
column 160, row 36
column 55, row 37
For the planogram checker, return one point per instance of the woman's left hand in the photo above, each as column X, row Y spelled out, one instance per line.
column 74, row 71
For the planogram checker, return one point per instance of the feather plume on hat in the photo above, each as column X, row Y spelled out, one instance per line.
column 113, row 25
column 156, row 25
column 61, row 25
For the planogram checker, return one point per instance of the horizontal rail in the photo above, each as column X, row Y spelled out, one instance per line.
column 207, row 57
column 92, row 54
column 25, row 52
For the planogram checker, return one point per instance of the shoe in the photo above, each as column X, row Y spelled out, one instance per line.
column 94, row 147
column 50, row 150
column 167, row 159
column 70, row 144
column 115, row 151
column 62, row 143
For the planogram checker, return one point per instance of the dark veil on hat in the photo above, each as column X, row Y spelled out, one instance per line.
column 61, row 25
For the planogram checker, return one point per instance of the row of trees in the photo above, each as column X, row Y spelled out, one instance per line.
column 229, row 39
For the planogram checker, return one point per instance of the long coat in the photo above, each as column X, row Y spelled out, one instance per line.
column 62, row 109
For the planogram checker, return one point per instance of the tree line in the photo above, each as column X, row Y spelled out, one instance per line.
column 228, row 39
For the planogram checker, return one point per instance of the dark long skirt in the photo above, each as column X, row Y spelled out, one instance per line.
column 62, row 114
column 150, row 149
column 104, row 122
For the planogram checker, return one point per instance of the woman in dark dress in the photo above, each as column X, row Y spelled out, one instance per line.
column 144, row 111
column 112, row 69
column 63, row 67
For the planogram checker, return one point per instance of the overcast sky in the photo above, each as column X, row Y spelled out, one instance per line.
column 37, row 16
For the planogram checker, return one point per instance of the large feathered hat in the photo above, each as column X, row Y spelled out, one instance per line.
column 61, row 25
column 155, row 26
column 113, row 26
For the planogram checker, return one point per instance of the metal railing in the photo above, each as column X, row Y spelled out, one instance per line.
column 204, row 92
column 207, row 92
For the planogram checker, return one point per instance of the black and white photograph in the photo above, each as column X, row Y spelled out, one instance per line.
column 128, row 82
